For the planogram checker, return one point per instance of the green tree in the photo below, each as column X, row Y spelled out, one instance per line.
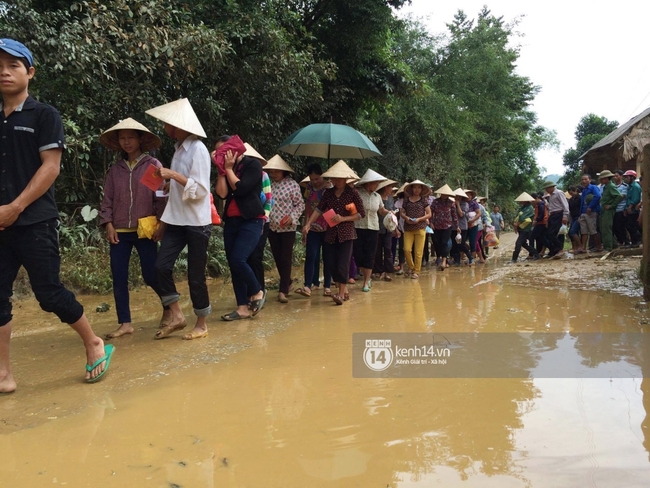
column 99, row 62
column 591, row 129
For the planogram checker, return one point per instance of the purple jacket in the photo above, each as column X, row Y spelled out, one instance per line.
column 126, row 199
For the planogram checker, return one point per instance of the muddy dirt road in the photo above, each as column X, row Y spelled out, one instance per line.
column 272, row 402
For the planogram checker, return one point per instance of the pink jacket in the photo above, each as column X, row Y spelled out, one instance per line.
column 126, row 199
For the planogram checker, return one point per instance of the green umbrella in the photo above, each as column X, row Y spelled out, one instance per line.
column 329, row 141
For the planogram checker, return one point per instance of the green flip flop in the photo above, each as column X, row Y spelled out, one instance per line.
column 108, row 353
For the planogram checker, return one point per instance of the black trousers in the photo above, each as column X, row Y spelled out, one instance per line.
column 538, row 237
column 338, row 256
column 633, row 229
column 282, row 249
column 384, row 254
column 619, row 229
column 523, row 241
column 36, row 247
column 441, row 242
column 554, row 224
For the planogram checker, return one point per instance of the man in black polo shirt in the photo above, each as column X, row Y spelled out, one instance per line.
column 31, row 145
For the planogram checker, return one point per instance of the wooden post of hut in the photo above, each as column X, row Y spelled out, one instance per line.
column 645, row 198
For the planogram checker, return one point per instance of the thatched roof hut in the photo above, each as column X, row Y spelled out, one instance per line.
column 622, row 149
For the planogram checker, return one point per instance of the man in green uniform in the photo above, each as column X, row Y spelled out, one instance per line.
column 608, row 201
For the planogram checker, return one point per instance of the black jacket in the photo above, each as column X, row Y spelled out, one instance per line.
column 248, row 189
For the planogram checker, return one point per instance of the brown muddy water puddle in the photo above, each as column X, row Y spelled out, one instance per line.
column 272, row 402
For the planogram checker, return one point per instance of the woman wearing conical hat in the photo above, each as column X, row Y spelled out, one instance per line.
column 384, row 258
column 416, row 212
column 125, row 202
column 367, row 228
column 523, row 226
column 287, row 208
column 473, row 220
column 315, row 186
column 187, row 218
column 459, row 245
column 445, row 220
column 398, row 240
column 346, row 207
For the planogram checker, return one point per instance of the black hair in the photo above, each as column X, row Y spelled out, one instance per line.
column 619, row 172
column 314, row 169
column 574, row 188
column 587, row 175
column 223, row 138
column 25, row 62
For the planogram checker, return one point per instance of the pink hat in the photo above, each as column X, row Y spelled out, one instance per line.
column 630, row 172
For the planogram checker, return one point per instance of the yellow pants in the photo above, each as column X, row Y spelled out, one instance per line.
column 414, row 243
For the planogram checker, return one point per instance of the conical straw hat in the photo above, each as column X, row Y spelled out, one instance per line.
column 304, row 182
column 370, row 176
column 250, row 151
column 460, row 193
column 524, row 197
column 445, row 190
column 386, row 183
column 179, row 114
column 110, row 137
column 426, row 190
column 401, row 189
column 341, row 170
column 276, row 162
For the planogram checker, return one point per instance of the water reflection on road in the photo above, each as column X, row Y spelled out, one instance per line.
column 272, row 401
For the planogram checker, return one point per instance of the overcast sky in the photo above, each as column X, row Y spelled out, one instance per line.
column 587, row 57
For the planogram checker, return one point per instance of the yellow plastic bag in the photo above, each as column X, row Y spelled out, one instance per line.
column 147, row 226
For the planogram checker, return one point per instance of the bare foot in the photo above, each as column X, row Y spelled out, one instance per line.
column 123, row 329
column 196, row 333
column 178, row 323
column 7, row 383
column 94, row 352
column 166, row 319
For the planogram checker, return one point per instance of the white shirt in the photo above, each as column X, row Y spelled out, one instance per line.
column 189, row 205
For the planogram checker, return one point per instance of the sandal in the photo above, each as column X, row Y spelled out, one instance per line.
column 255, row 305
column 365, row 289
column 304, row 291
column 346, row 297
column 337, row 299
column 351, row 281
column 327, row 292
column 234, row 315
column 414, row 276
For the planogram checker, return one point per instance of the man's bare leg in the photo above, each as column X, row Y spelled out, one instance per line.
column 7, row 383
column 93, row 344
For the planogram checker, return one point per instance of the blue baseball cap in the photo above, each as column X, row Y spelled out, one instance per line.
column 17, row 49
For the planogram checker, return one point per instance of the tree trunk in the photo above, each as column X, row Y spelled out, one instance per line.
column 645, row 186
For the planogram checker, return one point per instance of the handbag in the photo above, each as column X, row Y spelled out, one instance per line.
column 147, row 226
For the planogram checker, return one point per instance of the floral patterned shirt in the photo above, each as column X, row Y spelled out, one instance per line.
column 444, row 214
column 287, row 201
column 313, row 198
column 415, row 210
column 344, row 231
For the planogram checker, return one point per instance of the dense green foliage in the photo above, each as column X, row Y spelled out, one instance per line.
column 591, row 129
column 447, row 109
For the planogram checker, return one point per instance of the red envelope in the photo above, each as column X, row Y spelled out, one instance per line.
column 328, row 217
column 150, row 180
